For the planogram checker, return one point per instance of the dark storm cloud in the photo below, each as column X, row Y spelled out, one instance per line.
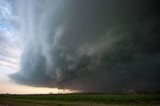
column 91, row 45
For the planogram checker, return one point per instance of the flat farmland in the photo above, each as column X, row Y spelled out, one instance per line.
column 80, row 100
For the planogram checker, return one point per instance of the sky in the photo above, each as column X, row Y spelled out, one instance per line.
column 65, row 46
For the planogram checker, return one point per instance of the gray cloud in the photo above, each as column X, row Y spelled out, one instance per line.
column 92, row 46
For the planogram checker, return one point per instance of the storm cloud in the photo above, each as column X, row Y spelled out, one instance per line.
column 90, row 45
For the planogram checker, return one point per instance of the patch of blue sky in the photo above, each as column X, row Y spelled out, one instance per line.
column 6, row 28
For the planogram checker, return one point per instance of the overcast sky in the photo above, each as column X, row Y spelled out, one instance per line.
column 79, row 45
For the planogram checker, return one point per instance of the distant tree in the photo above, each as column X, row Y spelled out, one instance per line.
column 50, row 93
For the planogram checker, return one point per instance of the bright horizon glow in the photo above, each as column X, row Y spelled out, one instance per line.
column 13, row 88
column 8, row 86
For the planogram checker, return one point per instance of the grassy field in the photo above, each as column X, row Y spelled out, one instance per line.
column 80, row 100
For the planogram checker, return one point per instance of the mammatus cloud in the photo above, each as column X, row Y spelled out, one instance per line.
column 92, row 46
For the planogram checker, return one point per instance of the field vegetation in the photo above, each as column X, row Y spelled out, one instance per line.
column 80, row 100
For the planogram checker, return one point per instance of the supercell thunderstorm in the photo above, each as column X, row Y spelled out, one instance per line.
column 90, row 45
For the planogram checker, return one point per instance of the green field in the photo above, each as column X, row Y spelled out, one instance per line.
column 80, row 100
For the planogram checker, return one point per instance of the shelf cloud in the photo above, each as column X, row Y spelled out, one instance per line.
column 90, row 45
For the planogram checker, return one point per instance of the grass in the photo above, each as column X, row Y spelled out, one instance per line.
column 80, row 100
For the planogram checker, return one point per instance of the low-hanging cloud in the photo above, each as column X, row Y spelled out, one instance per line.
column 90, row 45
